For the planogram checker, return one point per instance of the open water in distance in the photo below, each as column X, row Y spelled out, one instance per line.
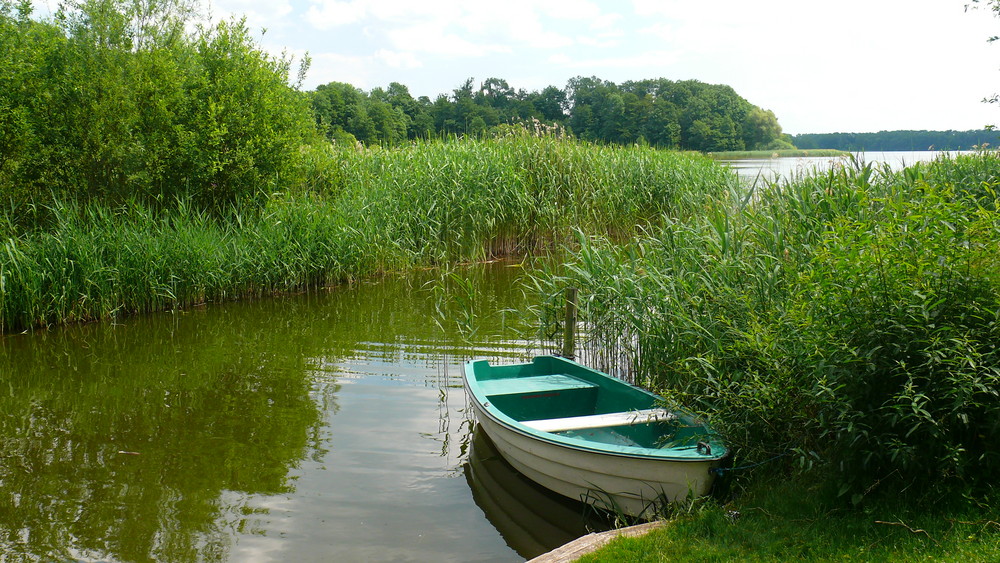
column 769, row 169
column 330, row 426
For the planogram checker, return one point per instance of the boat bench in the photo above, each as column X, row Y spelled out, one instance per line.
column 561, row 394
column 528, row 397
column 533, row 384
column 628, row 418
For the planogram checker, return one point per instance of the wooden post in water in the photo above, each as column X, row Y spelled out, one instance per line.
column 569, row 327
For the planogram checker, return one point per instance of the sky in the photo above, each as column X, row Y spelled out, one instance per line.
column 822, row 67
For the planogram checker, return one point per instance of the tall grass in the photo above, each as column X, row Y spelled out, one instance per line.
column 353, row 213
column 848, row 316
column 98, row 263
column 476, row 199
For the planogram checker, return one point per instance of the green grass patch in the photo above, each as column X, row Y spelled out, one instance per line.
column 784, row 153
column 792, row 521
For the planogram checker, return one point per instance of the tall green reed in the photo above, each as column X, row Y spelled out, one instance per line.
column 353, row 213
column 848, row 316
column 475, row 199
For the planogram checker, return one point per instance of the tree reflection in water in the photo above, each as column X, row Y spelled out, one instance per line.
column 149, row 440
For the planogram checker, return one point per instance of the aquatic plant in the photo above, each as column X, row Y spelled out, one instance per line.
column 847, row 316
column 354, row 213
column 512, row 194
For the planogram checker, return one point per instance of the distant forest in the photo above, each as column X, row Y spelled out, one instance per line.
column 899, row 140
column 688, row 114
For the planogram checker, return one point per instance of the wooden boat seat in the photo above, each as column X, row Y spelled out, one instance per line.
column 628, row 418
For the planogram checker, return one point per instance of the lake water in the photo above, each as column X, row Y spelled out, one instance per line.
column 330, row 426
column 790, row 167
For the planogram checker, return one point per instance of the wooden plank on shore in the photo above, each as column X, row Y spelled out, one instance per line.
column 592, row 542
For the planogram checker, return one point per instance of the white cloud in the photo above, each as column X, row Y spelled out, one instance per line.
column 401, row 10
column 259, row 15
column 435, row 39
column 397, row 59
column 354, row 70
column 328, row 14
column 532, row 33
column 483, row 25
column 605, row 21
column 561, row 59
column 598, row 41
column 574, row 10
column 653, row 62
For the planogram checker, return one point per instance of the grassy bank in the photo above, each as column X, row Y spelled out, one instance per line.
column 739, row 155
column 354, row 213
column 842, row 325
column 789, row 521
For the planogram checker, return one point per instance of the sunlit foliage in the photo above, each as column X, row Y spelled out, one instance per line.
column 846, row 319
column 113, row 100
column 662, row 113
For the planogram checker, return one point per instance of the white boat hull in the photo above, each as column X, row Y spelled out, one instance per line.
column 632, row 485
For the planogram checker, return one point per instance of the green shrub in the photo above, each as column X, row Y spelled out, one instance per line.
column 112, row 100
column 906, row 304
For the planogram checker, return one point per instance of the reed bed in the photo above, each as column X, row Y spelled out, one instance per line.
column 519, row 193
column 98, row 263
column 353, row 213
column 845, row 320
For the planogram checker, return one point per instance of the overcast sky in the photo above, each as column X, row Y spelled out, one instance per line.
column 847, row 65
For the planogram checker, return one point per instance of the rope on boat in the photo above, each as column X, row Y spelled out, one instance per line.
column 719, row 471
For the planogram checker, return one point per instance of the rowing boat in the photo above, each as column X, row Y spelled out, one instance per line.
column 592, row 437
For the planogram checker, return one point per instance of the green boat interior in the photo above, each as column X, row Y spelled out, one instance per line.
column 568, row 405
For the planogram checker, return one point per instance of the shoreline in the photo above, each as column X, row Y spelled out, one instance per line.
column 590, row 543
column 789, row 153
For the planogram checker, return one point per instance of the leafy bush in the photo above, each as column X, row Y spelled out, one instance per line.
column 905, row 303
column 114, row 99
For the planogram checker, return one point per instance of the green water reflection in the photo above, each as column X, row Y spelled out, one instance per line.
column 320, row 426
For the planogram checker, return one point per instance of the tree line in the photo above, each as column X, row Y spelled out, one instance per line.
column 115, row 100
column 663, row 113
column 899, row 140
